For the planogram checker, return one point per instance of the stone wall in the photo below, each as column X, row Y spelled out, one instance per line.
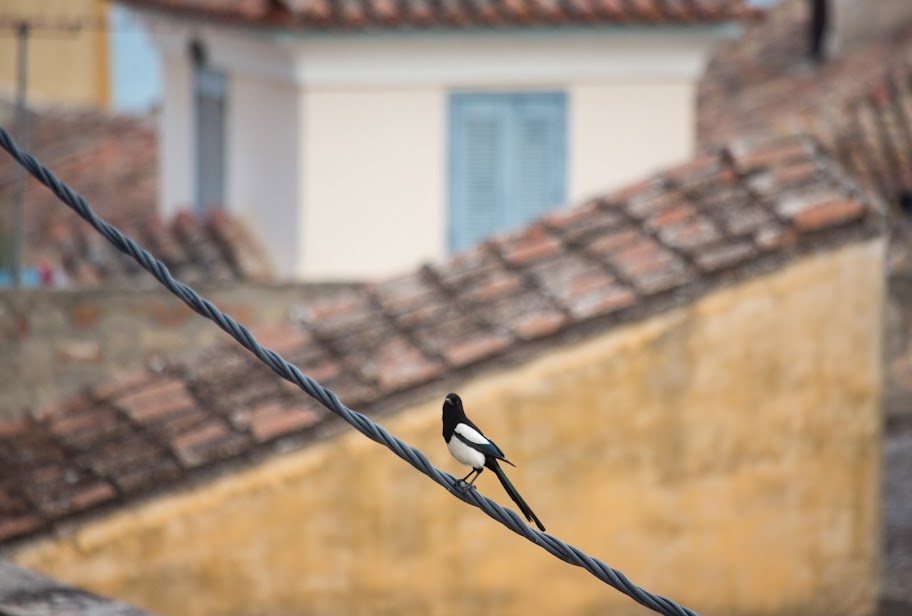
column 55, row 342
column 726, row 454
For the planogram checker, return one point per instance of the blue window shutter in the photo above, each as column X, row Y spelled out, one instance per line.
column 507, row 162
column 478, row 174
column 540, row 157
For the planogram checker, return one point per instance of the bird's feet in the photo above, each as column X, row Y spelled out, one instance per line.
column 463, row 486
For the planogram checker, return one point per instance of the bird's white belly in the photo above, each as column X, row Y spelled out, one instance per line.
column 465, row 454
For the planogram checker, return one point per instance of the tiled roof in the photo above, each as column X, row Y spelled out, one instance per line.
column 217, row 248
column 377, row 14
column 872, row 134
column 723, row 216
column 858, row 104
column 765, row 80
column 113, row 159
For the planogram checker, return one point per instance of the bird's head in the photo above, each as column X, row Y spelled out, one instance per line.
column 452, row 404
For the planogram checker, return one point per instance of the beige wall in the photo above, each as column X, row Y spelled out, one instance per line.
column 264, row 172
column 62, row 68
column 375, row 183
column 265, row 167
column 726, row 454
column 620, row 132
column 175, row 144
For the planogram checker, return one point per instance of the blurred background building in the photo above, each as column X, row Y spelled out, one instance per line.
column 489, row 120
column 85, row 53
column 653, row 227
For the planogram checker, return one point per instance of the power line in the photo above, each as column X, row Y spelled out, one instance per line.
column 330, row 400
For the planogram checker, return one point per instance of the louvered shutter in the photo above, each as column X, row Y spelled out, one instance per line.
column 478, row 169
column 539, row 155
column 507, row 162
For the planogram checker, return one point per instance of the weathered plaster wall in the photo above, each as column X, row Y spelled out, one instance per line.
column 726, row 454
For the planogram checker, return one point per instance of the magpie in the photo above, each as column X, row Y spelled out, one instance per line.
column 470, row 447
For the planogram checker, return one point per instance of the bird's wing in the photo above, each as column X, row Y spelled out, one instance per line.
column 473, row 437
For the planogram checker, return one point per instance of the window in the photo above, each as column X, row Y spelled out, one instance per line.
column 508, row 159
column 209, row 91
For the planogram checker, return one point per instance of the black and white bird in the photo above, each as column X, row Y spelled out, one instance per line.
column 471, row 447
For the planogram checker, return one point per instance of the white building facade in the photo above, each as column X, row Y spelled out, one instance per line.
column 354, row 155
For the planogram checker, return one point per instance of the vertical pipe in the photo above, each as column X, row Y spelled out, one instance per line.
column 18, row 226
column 819, row 25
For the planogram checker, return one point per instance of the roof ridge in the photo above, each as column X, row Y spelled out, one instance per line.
column 367, row 14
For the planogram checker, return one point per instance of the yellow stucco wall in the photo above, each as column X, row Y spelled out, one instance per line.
column 63, row 68
column 725, row 454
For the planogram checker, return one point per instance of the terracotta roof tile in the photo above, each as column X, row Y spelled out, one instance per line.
column 199, row 436
column 829, row 214
column 85, row 429
column 120, row 455
column 273, row 419
column 155, row 471
column 119, row 383
column 400, row 364
column 405, row 293
column 280, row 339
column 608, row 261
column 724, row 255
column 154, row 401
column 77, row 492
column 12, row 427
column 536, row 324
column 450, row 328
column 14, row 526
column 378, row 14
column 585, row 221
column 464, row 351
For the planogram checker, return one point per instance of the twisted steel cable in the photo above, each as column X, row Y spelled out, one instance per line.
column 330, row 400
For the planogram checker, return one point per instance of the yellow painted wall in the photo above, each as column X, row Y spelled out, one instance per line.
column 726, row 454
column 62, row 68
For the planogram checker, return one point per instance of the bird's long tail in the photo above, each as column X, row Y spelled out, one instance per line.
column 523, row 507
